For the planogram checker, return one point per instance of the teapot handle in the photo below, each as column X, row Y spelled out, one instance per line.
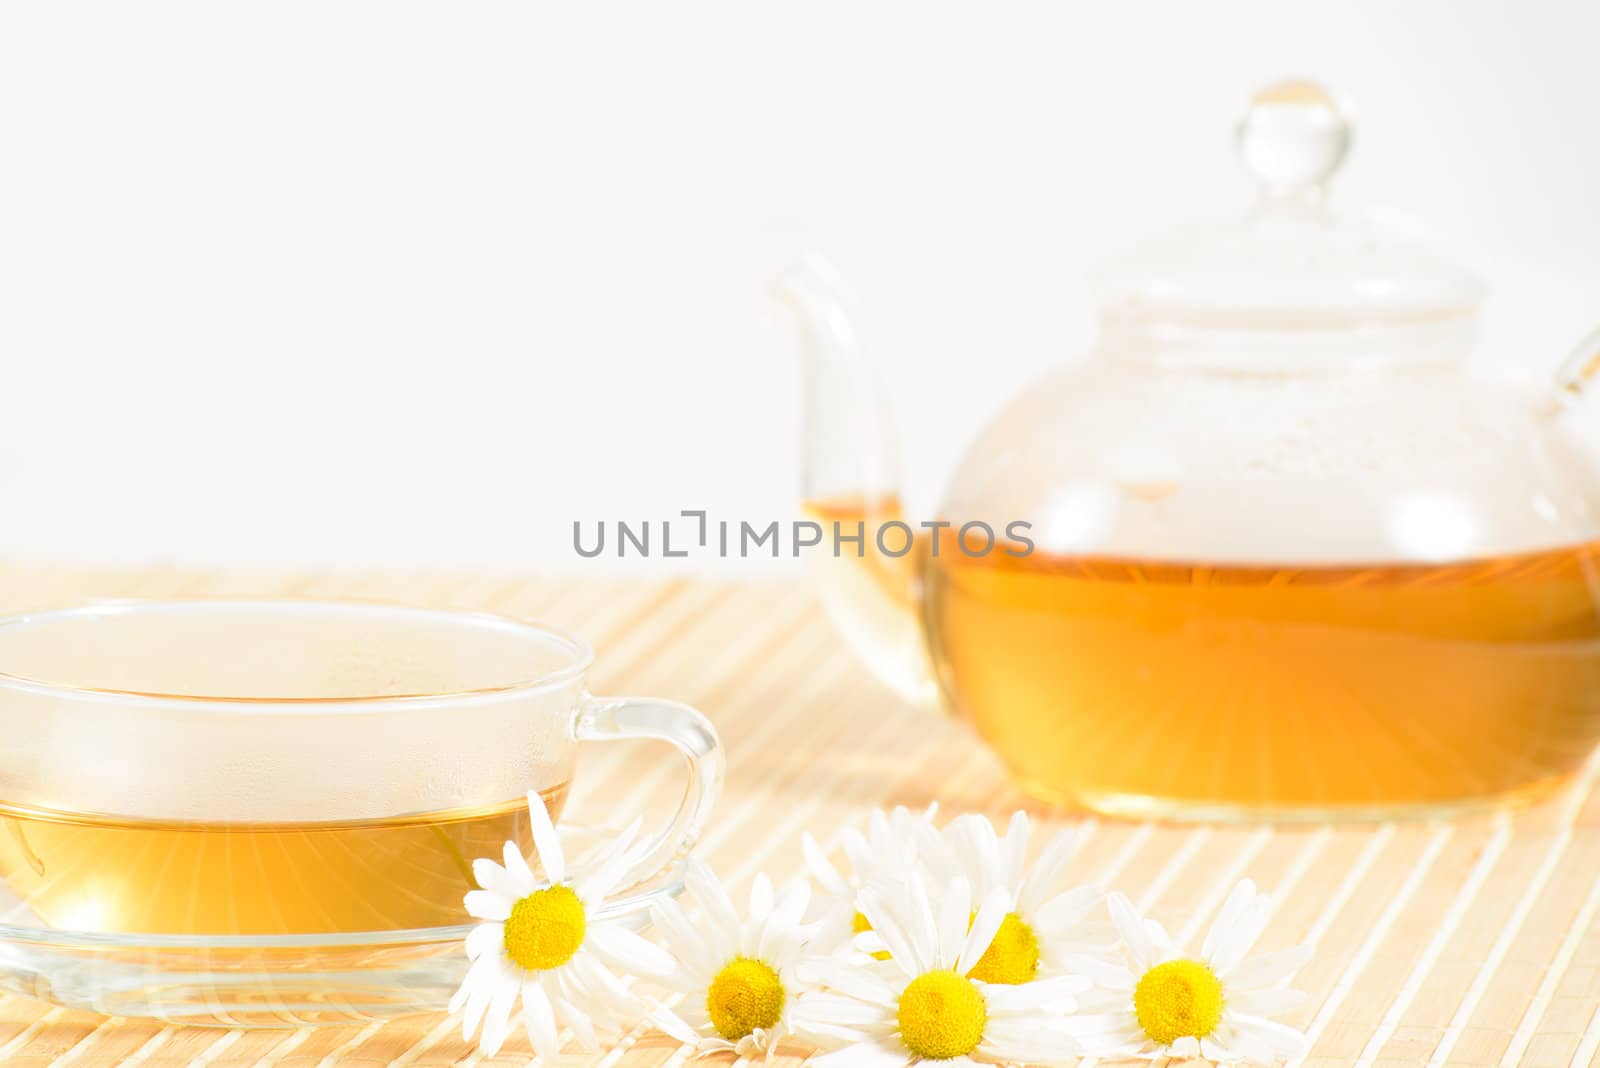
column 1579, row 369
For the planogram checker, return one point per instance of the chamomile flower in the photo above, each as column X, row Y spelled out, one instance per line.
column 537, row 941
column 923, row 1004
column 1213, row 1005
column 738, row 977
column 1041, row 929
column 886, row 853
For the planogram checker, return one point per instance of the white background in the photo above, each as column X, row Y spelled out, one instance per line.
column 383, row 283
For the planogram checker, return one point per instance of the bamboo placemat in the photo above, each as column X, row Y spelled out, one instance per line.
column 1469, row 943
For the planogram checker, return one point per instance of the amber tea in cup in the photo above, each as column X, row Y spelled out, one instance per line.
column 282, row 768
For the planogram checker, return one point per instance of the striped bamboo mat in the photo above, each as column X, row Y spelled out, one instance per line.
column 1473, row 943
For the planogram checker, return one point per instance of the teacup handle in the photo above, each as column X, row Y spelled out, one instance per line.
column 613, row 719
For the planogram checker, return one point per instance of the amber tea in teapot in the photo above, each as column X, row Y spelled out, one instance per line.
column 1277, row 685
column 1294, row 557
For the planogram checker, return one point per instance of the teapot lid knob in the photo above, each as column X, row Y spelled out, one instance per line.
column 1293, row 136
column 1292, row 266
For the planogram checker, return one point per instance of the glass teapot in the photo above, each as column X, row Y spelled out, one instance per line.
column 1274, row 552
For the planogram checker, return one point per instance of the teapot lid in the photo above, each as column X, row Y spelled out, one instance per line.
column 1293, row 263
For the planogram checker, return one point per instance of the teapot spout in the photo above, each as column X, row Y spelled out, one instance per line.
column 850, row 482
column 849, row 452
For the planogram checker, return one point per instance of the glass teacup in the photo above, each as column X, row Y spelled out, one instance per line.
column 255, row 768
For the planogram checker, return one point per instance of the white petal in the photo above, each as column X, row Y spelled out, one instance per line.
column 761, row 899
column 829, row 1035
column 1271, row 1001
column 1033, row 1042
column 1086, row 1024
column 582, row 1027
column 681, row 937
column 683, row 982
column 485, row 938
column 545, row 841
column 1233, row 909
column 517, row 871
column 859, row 983
column 1058, row 995
column 693, row 1012
column 1164, row 948
column 598, row 982
column 487, row 905
column 1231, row 1043
column 911, row 827
column 492, row 877
column 794, row 898
column 991, row 853
column 833, row 932
column 1185, row 1046
column 755, row 1043
column 497, row 1022
column 1014, row 850
column 865, row 1055
column 674, row 1025
column 878, row 829
column 1232, row 936
column 856, row 850
column 822, row 870
column 1058, row 987
column 472, row 999
column 459, row 999
column 869, row 942
column 984, row 927
column 1047, row 870
column 1133, row 932
column 1127, row 1042
column 622, row 948
column 566, row 987
column 972, row 838
column 780, row 944
column 839, row 1010
column 919, row 924
column 810, row 970
column 781, row 934
column 539, row 1017
column 1102, row 972
column 1283, row 1040
column 1067, row 909
column 1268, row 968
column 1105, row 999
column 934, row 852
column 955, row 913
column 887, row 927
column 721, row 919
column 597, row 885
column 1091, row 936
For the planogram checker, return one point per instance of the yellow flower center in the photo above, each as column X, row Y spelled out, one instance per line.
column 941, row 1016
column 545, row 928
column 1013, row 956
column 1181, row 998
column 745, row 995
